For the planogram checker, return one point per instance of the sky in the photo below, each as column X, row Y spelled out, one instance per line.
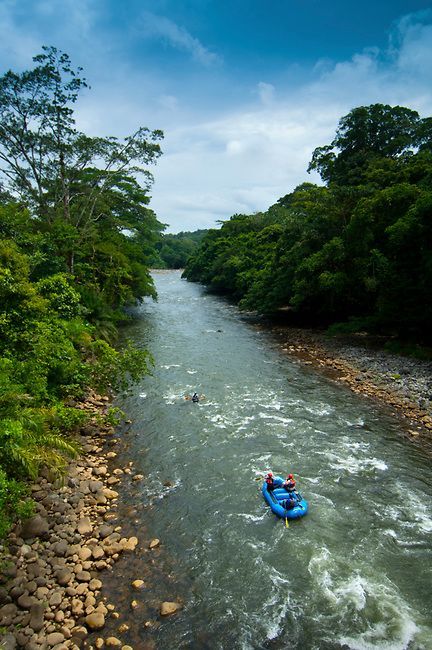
column 244, row 90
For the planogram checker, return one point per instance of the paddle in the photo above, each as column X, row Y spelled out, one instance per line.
column 286, row 522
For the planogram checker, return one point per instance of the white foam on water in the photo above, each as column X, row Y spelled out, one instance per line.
column 275, row 418
column 420, row 513
column 143, row 395
column 218, row 421
column 358, row 422
column 171, row 365
column 191, row 372
column 251, row 517
column 373, row 603
column 171, row 398
column 319, row 409
column 375, row 638
column 354, row 464
column 277, row 605
column 264, row 466
column 244, row 423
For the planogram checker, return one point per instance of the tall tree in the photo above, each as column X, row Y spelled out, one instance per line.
column 48, row 164
column 367, row 133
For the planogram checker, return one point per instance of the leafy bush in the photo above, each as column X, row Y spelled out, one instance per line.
column 13, row 502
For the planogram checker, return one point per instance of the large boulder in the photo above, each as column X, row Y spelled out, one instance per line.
column 36, row 526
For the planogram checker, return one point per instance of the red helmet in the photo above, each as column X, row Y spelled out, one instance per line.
column 270, row 474
column 290, row 476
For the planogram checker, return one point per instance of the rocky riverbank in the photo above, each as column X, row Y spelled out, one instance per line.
column 52, row 565
column 404, row 384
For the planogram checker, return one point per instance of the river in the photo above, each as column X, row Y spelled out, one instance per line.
column 355, row 573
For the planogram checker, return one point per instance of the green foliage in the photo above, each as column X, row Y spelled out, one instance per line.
column 175, row 250
column 75, row 244
column 115, row 369
column 13, row 502
column 358, row 251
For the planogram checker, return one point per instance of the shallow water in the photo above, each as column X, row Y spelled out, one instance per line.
column 356, row 572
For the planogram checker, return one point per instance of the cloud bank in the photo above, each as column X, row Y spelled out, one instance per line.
column 234, row 142
column 245, row 160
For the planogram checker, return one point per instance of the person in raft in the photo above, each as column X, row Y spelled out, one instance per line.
column 269, row 481
column 289, row 503
column 195, row 397
column 290, row 484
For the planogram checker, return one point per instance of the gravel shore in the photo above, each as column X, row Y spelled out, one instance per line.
column 404, row 384
column 52, row 566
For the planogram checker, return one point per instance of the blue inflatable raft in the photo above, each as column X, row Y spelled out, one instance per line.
column 277, row 496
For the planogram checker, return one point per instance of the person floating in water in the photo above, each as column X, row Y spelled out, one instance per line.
column 195, row 397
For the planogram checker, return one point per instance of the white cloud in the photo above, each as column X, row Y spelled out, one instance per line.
column 178, row 37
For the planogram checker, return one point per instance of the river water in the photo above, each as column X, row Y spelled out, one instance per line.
column 356, row 572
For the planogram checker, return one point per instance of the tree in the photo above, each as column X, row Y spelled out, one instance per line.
column 367, row 133
column 58, row 172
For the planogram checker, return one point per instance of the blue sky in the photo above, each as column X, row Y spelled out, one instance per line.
column 243, row 89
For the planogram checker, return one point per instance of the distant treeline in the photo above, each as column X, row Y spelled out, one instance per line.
column 76, row 241
column 174, row 250
column 357, row 250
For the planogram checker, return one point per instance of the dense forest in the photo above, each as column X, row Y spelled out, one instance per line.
column 175, row 250
column 77, row 237
column 355, row 251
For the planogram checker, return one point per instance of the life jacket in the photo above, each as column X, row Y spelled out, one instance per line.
column 289, row 503
column 269, row 481
column 290, row 484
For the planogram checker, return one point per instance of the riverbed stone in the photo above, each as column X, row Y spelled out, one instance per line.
column 54, row 638
column 84, row 553
column 7, row 614
column 113, row 642
column 95, row 620
column 64, row 576
column 97, row 552
column 167, row 608
column 60, row 548
column 95, row 584
column 129, row 544
column 8, row 642
column 109, row 494
column 56, row 599
column 37, row 616
column 83, row 576
column 36, row 526
column 84, row 526
column 154, row 543
column 105, row 530
column 25, row 601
